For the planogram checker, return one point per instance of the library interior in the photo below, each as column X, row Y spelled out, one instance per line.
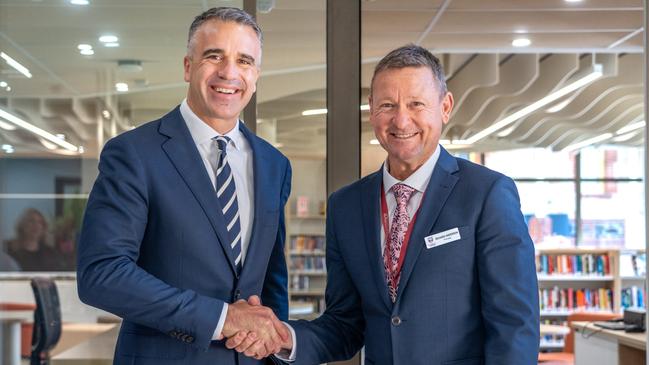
column 550, row 93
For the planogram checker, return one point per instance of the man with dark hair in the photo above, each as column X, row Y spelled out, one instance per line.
column 428, row 259
column 186, row 215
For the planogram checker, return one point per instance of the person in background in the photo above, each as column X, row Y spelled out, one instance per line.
column 30, row 248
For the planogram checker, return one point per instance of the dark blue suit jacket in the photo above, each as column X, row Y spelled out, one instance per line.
column 471, row 301
column 154, row 249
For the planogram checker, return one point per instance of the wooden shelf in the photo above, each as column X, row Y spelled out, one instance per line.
column 308, row 272
column 560, row 277
column 565, row 313
column 311, row 292
column 307, row 253
column 551, row 345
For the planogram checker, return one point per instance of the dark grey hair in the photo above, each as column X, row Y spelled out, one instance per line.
column 412, row 55
column 225, row 14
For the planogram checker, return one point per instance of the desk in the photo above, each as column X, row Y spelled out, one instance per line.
column 73, row 334
column 11, row 315
column 595, row 346
column 98, row 350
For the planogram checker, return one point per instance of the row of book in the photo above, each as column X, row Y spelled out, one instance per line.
column 308, row 263
column 633, row 297
column 307, row 243
column 586, row 264
column 553, row 340
column 307, row 283
column 568, row 299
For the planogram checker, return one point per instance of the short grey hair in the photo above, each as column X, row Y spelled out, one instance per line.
column 225, row 14
column 412, row 55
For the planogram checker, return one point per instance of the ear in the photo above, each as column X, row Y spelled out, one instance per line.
column 186, row 66
column 369, row 101
column 447, row 107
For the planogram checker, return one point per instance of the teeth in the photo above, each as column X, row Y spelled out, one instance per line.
column 225, row 91
column 404, row 135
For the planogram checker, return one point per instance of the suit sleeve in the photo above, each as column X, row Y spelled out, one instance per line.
column 507, row 274
column 108, row 276
column 275, row 293
column 338, row 334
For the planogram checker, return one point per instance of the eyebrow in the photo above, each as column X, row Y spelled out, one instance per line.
column 245, row 56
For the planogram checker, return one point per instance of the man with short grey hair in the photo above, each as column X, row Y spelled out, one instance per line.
column 186, row 217
column 428, row 259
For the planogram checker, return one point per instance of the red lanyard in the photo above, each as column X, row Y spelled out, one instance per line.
column 386, row 230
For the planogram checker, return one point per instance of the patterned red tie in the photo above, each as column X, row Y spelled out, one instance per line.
column 398, row 229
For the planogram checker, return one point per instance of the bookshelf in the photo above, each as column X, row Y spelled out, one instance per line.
column 586, row 279
column 305, row 257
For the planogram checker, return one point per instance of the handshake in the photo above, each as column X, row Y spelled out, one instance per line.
column 254, row 330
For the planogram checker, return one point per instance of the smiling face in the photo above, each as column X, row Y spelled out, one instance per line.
column 222, row 68
column 407, row 113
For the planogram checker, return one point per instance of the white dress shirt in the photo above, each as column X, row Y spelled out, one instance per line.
column 419, row 181
column 240, row 159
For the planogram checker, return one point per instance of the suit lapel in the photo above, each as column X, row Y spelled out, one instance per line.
column 439, row 188
column 371, row 212
column 182, row 151
column 260, row 172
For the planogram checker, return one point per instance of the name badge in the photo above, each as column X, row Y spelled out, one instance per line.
column 442, row 238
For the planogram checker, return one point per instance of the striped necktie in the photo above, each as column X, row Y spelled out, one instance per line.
column 226, row 192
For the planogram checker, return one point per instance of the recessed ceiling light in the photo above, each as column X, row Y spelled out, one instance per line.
column 106, row 114
column 84, row 46
column 7, row 126
column 112, row 44
column 16, row 65
column 121, row 86
column 8, row 88
column 314, row 112
column 87, row 52
column 573, row 1
column 521, row 42
column 81, row 149
column 374, row 141
column 108, row 39
column 79, row 2
column 3, row 84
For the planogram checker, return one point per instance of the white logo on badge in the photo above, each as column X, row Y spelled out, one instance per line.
column 442, row 238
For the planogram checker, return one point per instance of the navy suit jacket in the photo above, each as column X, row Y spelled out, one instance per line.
column 155, row 251
column 470, row 301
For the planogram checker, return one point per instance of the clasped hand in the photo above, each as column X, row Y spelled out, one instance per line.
column 254, row 330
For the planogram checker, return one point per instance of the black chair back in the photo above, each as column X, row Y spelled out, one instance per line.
column 47, row 320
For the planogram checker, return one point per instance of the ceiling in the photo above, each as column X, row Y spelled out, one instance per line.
column 489, row 78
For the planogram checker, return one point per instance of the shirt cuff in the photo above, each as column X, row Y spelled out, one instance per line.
column 219, row 326
column 282, row 355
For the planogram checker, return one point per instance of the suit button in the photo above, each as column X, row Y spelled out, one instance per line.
column 173, row 333
column 237, row 294
column 190, row 339
column 396, row 321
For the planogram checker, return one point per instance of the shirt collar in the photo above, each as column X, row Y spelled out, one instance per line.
column 202, row 133
column 418, row 180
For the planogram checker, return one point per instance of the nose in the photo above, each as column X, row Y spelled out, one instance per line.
column 401, row 117
column 227, row 70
